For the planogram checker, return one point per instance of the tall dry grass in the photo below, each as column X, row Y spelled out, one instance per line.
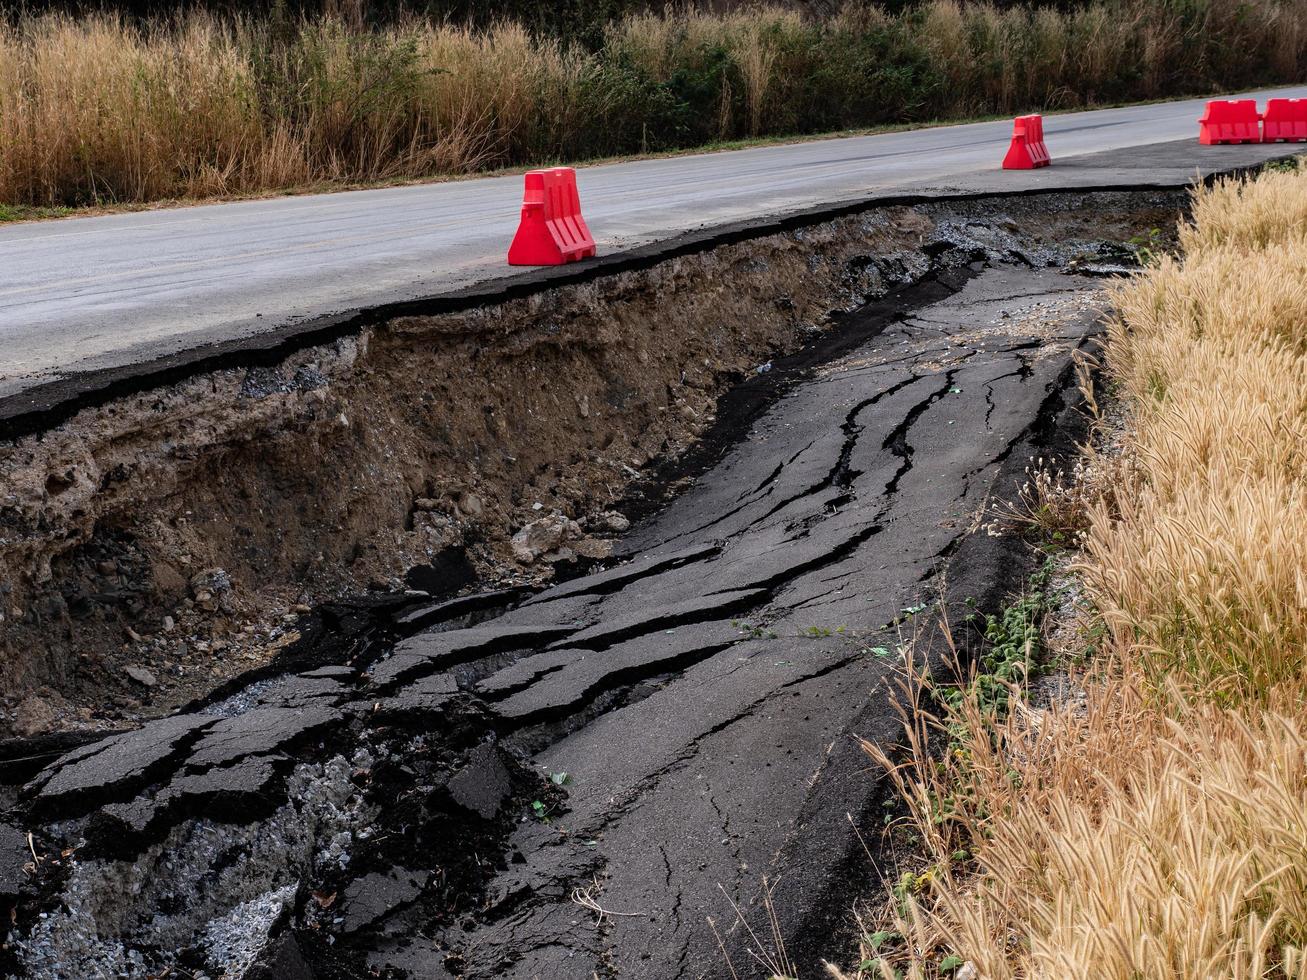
column 1116, row 840
column 1204, row 569
column 94, row 108
column 1158, row 826
column 97, row 108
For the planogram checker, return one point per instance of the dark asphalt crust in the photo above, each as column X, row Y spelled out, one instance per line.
column 700, row 693
column 857, row 525
column 48, row 405
column 813, row 899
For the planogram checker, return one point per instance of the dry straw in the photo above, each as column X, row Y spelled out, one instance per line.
column 1157, row 825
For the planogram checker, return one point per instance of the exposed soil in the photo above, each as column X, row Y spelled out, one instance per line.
column 157, row 546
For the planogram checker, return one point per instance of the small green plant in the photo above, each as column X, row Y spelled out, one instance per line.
column 1014, row 650
column 1290, row 166
column 1147, row 247
column 24, row 212
column 754, row 631
column 878, row 939
column 819, row 632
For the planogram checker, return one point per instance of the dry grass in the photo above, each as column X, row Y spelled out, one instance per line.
column 1119, row 839
column 1204, row 568
column 96, row 108
column 1156, row 826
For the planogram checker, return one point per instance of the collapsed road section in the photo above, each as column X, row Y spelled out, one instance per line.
column 569, row 780
column 154, row 546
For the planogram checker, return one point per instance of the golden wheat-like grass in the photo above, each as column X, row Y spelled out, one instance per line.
column 1120, row 840
column 1157, row 826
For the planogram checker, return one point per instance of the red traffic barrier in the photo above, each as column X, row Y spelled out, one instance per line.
column 552, row 230
column 1027, row 150
column 1285, row 119
column 1228, row 121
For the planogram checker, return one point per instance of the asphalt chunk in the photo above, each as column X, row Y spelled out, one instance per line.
column 617, row 578
column 259, row 732
column 425, row 696
column 372, row 897
column 588, row 672
column 115, row 769
column 483, row 784
column 14, row 854
column 609, row 632
column 432, row 651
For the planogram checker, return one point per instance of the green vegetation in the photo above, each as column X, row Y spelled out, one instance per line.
column 1014, row 650
column 25, row 212
column 98, row 109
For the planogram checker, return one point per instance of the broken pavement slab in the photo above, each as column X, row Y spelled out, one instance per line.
column 235, row 792
column 259, row 731
column 371, row 898
column 427, row 652
column 426, row 696
column 114, row 768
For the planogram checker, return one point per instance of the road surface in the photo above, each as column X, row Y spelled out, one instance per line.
column 89, row 294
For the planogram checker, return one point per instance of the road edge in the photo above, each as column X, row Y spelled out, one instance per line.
column 50, row 404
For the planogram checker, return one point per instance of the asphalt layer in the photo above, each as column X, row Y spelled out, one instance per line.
column 93, row 307
column 700, row 694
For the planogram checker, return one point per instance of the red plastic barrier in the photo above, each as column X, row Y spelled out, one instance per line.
column 552, row 230
column 1027, row 150
column 1285, row 119
column 1230, row 122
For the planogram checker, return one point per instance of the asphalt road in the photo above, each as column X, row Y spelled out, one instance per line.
column 86, row 294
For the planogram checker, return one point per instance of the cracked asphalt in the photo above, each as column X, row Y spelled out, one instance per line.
column 701, row 695
column 836, row 513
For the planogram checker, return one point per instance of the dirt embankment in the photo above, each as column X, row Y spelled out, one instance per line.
column 157, row 545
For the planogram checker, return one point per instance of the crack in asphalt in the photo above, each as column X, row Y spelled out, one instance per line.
column 897, row 441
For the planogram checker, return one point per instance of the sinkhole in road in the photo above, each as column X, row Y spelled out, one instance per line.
column 563, row 768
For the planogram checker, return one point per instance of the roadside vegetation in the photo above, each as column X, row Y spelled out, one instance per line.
column 99, row 108
column 1149, row 819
